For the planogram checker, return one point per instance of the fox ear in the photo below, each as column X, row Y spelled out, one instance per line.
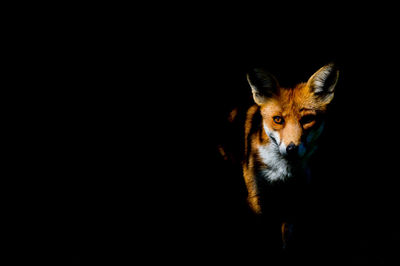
column 263, row 85
column 322, row 83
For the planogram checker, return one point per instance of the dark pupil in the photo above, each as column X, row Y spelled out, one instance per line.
column 307, row 119
column 278, row 119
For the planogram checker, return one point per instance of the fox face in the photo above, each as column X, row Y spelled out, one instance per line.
column 281, row 128
column 292, row 117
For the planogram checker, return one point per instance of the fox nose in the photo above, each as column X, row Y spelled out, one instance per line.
column 291, row 149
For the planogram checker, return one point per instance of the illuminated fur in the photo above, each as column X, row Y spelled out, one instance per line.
column 281, row 117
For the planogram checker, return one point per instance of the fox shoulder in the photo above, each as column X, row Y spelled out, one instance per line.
column 231, row 134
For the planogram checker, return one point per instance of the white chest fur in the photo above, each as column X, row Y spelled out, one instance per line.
column 276, row 166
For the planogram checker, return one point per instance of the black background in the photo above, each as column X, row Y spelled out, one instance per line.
column 132, row 112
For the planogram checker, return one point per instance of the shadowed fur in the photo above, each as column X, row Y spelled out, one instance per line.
column 281, row 128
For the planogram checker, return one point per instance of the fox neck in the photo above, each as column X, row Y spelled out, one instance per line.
column 273, row 166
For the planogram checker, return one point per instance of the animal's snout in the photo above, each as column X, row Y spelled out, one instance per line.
column 291, row 149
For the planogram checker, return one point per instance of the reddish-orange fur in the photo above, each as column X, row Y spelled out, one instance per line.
column 293, row 105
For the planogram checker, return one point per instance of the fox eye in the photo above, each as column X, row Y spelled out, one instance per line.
column 278, row 119
column 307, row 119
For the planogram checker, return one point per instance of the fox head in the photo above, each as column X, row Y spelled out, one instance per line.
column 291, row 117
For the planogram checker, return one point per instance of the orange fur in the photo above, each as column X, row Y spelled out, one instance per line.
column 300, row 109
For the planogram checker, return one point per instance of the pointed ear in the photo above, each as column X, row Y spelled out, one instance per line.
column 263, row 85
column 322, row 83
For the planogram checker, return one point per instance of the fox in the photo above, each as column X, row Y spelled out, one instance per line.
column 282, row 128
